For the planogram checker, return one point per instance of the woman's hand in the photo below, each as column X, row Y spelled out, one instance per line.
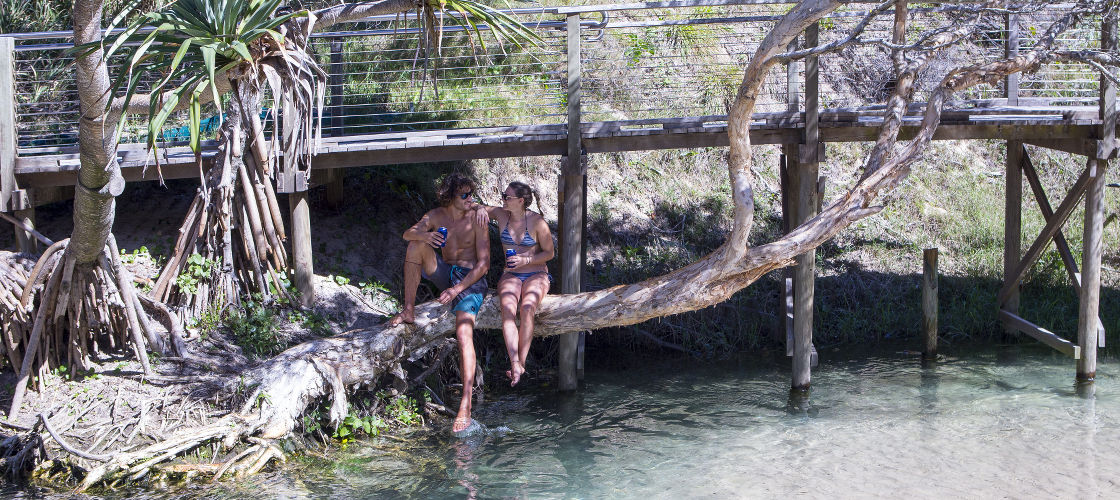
column 481, row 216
column 517, row 260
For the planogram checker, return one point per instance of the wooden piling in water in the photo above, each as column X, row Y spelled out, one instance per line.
column 929, row 303
column 572, row 182
column 805, row 183
column 1089, row 306
column 1013, row 224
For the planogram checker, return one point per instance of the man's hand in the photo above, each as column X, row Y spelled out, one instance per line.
column 449, row 294
column 434, row 238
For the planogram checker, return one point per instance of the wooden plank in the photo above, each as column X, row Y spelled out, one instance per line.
column 1052, row 226
column 1088, row 311
column 8, row 137
column 1081, row 147
column 1012, row 222
column 929, row 303
column 1041, row 334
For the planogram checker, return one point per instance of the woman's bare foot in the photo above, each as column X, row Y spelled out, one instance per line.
column 514, row 373
column 408, row 315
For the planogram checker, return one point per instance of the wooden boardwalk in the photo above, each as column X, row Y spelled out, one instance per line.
column 1067, row 128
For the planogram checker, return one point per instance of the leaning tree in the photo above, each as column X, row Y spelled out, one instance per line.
column 328, row 368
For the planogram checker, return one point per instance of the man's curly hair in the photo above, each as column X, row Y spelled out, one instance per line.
column 451, row 186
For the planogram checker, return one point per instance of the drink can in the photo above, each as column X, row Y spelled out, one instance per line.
column 509, row 253
column 442, row 230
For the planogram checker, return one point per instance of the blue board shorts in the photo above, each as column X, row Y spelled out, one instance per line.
column 447, row 276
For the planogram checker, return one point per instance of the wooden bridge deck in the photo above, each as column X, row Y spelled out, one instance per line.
column 1064, row 128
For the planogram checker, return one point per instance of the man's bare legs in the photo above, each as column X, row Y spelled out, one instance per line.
column 464, row 332
column 509, row 291
column 419, row 253
column 532, row 291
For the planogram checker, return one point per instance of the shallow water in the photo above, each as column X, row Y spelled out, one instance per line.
column 1005, row 422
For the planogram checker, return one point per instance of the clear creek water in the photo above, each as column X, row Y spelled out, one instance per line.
column 1000, row 423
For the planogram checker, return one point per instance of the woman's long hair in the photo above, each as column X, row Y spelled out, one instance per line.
column 524, row 191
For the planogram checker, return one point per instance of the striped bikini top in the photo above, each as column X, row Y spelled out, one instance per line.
column 527, row 241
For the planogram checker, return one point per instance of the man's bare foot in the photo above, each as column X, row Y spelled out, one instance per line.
column 405, row 316
column 461, row 424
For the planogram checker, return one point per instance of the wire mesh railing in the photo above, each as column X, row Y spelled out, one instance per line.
column 639, row 61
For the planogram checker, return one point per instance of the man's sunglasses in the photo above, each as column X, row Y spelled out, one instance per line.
column 466, row 195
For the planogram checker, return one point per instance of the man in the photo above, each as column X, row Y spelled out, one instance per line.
column 460, row 272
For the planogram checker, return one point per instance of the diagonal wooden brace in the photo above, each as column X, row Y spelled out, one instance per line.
column 1052, row 227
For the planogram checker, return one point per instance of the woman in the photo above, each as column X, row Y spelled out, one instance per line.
column 526, row 279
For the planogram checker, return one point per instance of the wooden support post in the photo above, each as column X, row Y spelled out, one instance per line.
column 8, row 138
column 787, row 165
column 303, row 269
column 1089, row 309
column 572, row 185
column 1013, row 224
column 25, row 241
column 806, row 189
column 929, row 303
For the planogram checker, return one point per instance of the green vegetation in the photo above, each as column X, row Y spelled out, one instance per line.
column 254, row 328
column 198, row 270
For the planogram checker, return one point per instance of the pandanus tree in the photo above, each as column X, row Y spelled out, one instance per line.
column 232, row 237
column 77, row 298
column 233, row 230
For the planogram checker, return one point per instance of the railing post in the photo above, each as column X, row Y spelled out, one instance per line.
column 1107, row 148
column 572, row 179
column 1011, row 23
column 337, row 84
column 8, row 137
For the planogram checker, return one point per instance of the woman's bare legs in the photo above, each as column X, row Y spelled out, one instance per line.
column 509, row 291
column 532, row 291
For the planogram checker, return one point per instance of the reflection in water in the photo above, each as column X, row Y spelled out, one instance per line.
column 982, row 425
column 465, row 470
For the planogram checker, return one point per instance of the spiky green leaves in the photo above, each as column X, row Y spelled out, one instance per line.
column 189, row 45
